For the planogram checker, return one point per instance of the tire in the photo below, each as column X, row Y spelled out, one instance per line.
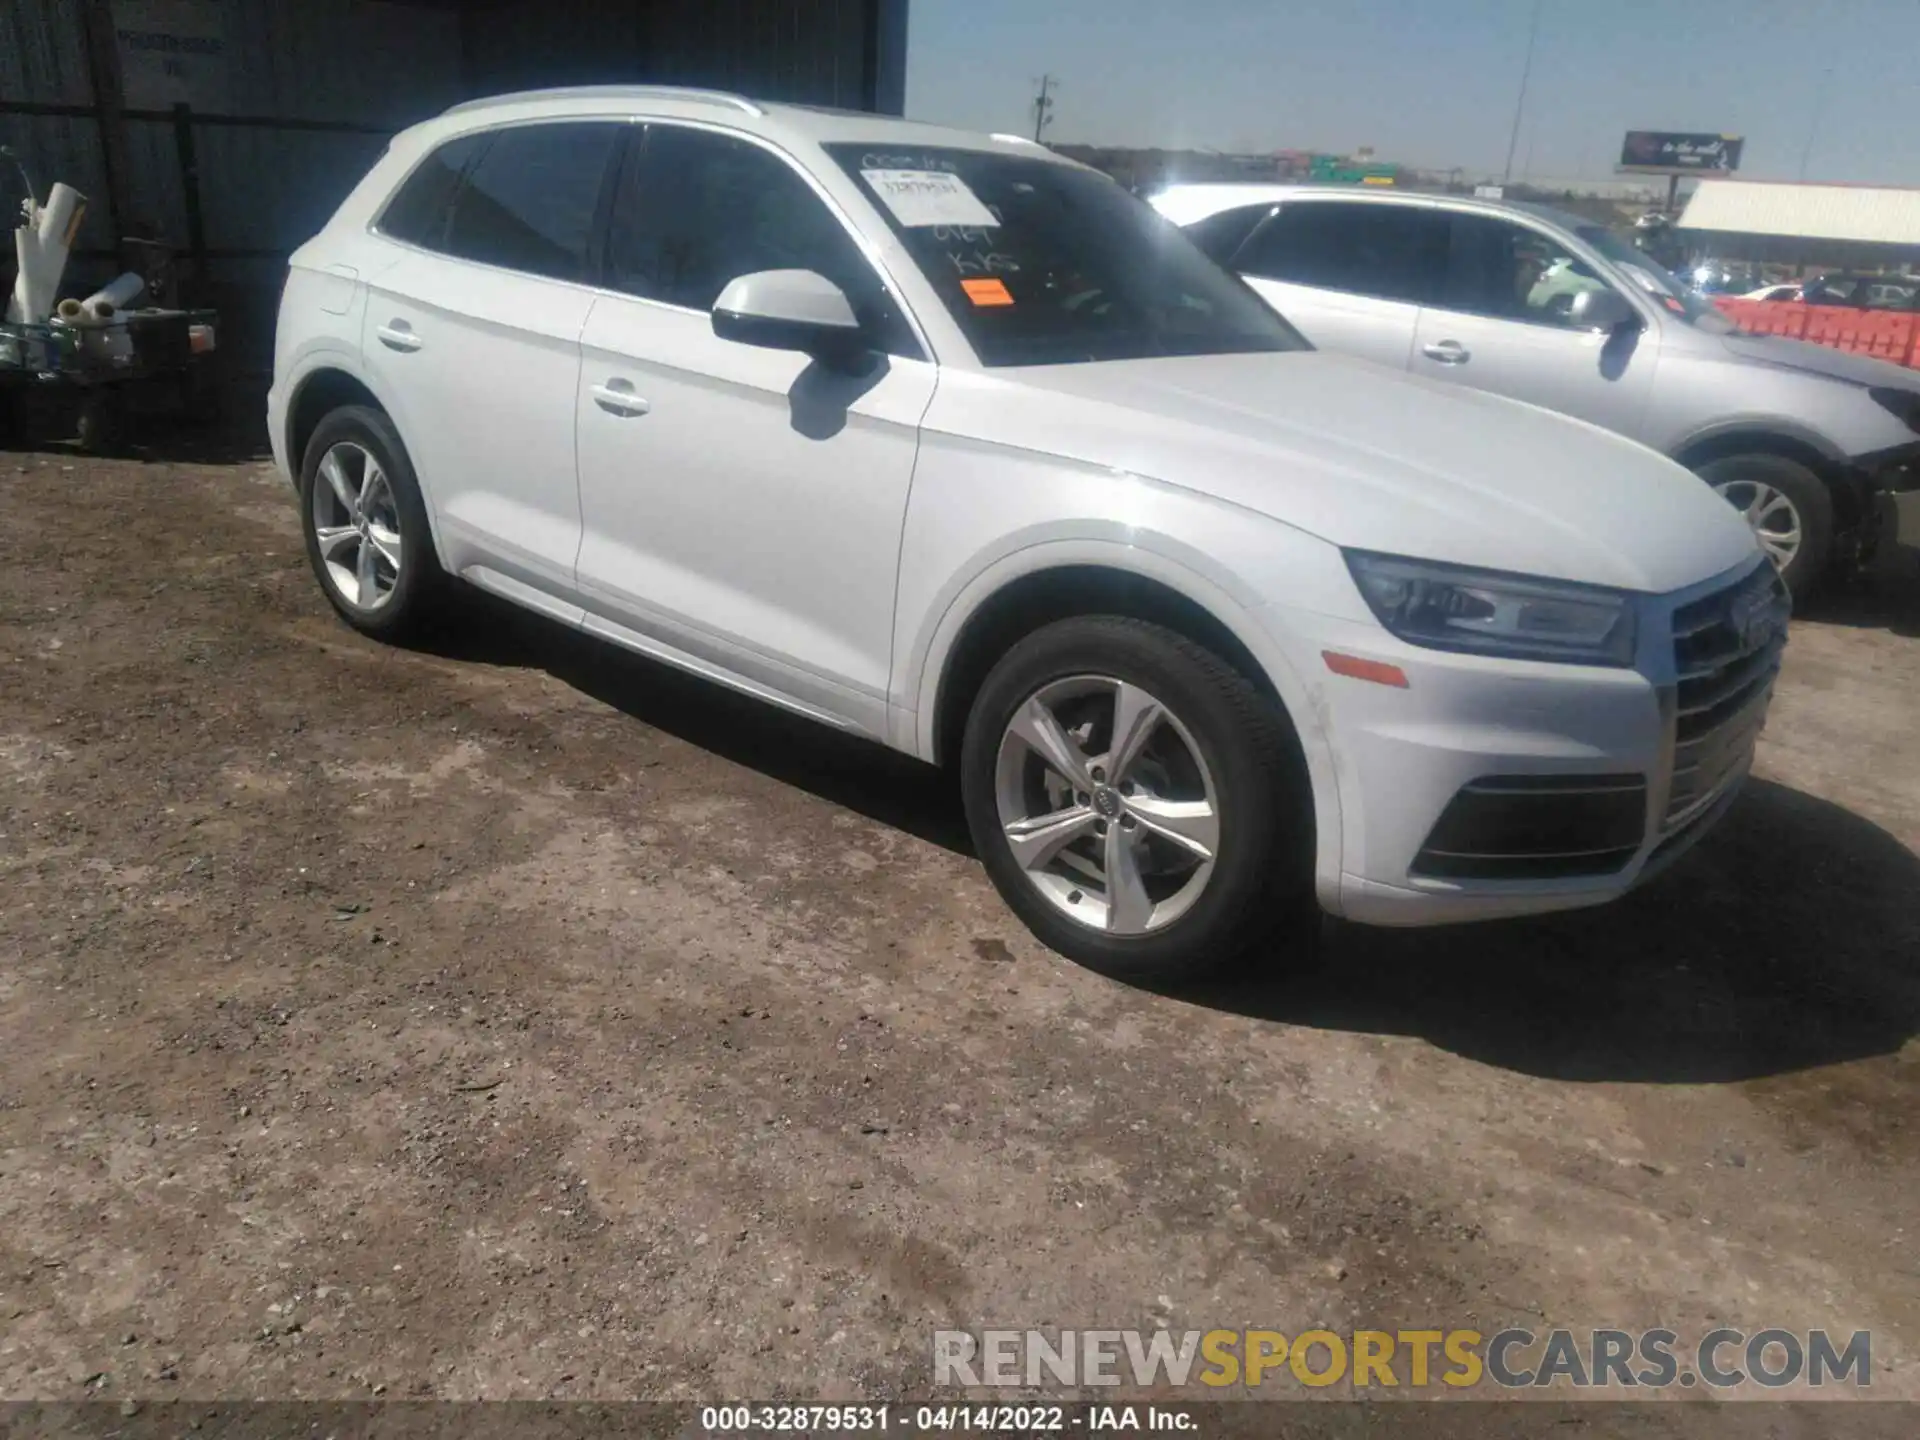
column 1258, row 886
column 407, row 597
column 1769, row 480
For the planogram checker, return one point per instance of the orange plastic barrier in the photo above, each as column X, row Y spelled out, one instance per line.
column 1765, row 317
column 1884, row 334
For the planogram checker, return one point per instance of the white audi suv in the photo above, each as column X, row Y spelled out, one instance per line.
column 947, row 441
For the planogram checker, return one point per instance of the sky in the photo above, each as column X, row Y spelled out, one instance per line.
column 1433, row 83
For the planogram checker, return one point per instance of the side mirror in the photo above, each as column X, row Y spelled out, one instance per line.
column 1602, row 309
column 791, row 310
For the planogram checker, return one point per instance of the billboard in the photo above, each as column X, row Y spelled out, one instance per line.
column 1668, row 152
column 1337, row 170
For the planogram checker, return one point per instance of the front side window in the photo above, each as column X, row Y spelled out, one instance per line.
column 1391, row 252
column 1043, row 263
column 418, row 212
column 1656, row 280
column 530, row 200
column 1510, row 272
column 696, row 210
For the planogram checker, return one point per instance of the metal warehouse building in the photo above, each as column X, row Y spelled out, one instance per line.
column 232, row 128
column 1857, row 226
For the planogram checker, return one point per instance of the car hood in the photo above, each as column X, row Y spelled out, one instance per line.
column 1368, row 458
column 1823, row 360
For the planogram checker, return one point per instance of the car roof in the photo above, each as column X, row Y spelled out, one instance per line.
column 1188, row 204
column 771, row 119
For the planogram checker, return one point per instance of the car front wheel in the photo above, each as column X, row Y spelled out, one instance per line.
column 1137, row 802
column 1788, row 507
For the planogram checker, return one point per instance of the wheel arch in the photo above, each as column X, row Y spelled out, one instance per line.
column 321, row 391
column 1852, row 497
column 1059, row 592
column 1056, row 582
column 331, row 383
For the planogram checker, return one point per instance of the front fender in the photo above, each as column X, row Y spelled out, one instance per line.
column 1125, row 549
column 298, row 369
column 1732, row 428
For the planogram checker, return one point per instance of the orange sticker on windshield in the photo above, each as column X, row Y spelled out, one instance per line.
column 987, row 292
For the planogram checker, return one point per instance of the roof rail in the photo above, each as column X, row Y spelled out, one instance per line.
column 613, row 92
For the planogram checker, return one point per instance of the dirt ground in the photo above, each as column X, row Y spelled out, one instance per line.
column 521, row 1019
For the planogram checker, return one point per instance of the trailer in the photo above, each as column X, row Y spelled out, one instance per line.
column 96, row 382
column 95, row 362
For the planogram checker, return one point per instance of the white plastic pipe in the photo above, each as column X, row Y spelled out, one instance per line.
column 42, row 246
column 117, row 296
column 104, row 303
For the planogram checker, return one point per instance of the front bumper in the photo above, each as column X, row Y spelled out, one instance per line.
column 1490, row 788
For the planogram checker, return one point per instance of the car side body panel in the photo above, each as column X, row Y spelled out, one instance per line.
column 1364, row 325
column 754, row 508
column 488, row 362
column 985, row 515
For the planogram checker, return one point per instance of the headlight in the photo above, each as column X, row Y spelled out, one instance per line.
column 1449, row 607
column 1903, row 403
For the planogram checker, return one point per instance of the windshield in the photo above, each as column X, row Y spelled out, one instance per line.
column 1047, row 264
column 1657, row 280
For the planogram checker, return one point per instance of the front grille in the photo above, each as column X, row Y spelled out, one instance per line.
column 1537, row 827
column 1726, row 652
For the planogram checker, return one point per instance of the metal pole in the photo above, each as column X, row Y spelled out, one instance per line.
column 109, row 99
column 1520, row 105
column 190, row 189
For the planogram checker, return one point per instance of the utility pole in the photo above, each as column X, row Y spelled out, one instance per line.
column 1043, row 105
column 1520, row 106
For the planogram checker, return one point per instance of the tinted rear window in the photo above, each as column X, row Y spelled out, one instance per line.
column 530, row 200
column 1395, row 252
column 418, row 213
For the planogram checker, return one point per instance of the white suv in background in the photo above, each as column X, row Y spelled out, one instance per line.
column 941, row 439
column 1813, row 445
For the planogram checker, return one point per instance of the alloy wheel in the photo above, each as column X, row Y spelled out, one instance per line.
column 1107, row 804
column 356, row 524
column 1775, row 520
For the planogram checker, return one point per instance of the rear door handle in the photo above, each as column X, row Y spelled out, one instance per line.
column 399, row 336
column 1447, row 352
column 616, row 397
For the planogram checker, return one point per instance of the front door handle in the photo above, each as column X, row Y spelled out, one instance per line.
column 398, row 335
column 1447, row 352
column 616, row 397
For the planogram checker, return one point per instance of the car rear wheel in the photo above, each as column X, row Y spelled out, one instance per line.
column 1138, row 804
column 1789, row 508
column 366, row 526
